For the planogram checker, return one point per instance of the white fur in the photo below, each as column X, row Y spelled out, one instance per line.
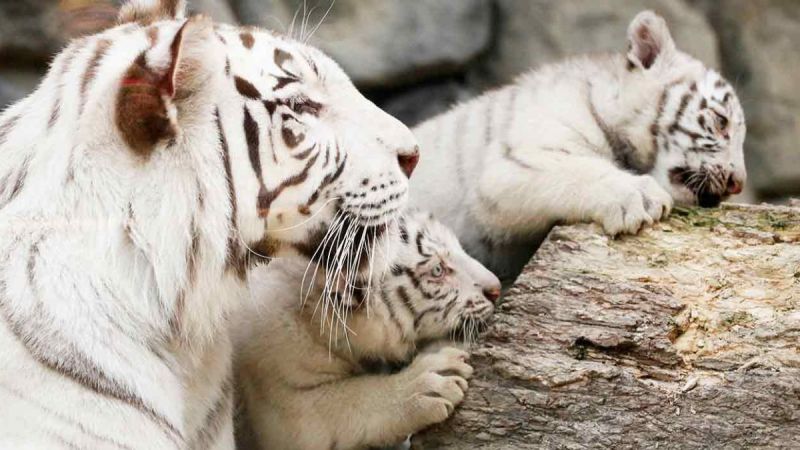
column 502, row 169
column 108, row 339
column 305, row 386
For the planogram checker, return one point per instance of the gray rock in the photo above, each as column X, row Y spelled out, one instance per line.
column 30, row 30
column 382, row 43
column 17, row 83
column 415, row 105
column 534, row 32
column 759, row 44
column 219, row 10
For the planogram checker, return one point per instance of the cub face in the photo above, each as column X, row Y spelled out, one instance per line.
column 699, row 128
column 445, row 292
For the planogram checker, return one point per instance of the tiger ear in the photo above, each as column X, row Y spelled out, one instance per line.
column 148, row 11
column 151, row 90
column 649, row 40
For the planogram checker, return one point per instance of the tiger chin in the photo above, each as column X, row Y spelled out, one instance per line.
column 614, row 139
column 153, row 163
column 306, row 360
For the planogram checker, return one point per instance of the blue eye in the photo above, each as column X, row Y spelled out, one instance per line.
column 437, row 271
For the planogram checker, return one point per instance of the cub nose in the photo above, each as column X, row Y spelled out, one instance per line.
column 408, row 160
column 735, row 185
column 492, row 293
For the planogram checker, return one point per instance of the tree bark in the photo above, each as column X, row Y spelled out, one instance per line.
column 685, row 336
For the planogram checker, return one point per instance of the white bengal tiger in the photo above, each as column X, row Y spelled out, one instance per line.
column 133, row 183
column 612, row 139
column 306, row 384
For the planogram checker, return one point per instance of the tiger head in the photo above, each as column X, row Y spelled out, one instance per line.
column 299, row 144
column 698, row 131
column 444, row 290
column 422, row 286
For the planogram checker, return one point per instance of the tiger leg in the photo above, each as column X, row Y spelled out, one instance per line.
column 525, row 190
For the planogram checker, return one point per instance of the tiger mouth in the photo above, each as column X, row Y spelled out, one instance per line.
column 705, row 185
column 470, row 328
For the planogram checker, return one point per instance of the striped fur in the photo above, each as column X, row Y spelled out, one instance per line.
column 306, row 383
column 612, row 139
column 133, row 183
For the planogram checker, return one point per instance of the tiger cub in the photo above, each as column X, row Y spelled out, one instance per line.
column 305, row 372
column 612, row 139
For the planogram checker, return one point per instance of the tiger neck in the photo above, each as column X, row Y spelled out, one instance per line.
column 625, row 117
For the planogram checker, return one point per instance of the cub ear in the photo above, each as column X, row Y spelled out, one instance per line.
column 649, row 40
column 151, row 90
column 147, row 11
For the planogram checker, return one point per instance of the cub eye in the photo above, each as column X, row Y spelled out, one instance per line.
column 437, row 271
column 721, row 122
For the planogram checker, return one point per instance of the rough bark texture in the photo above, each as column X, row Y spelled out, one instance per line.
column 683, row 337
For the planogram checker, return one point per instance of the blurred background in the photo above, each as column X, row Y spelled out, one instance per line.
column 415, row 58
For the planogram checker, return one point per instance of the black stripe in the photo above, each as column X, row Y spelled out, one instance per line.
column 246, row 88
column 234, row 260
column 266, row 197
column 91, row 70
column 402, row 294
column 384, row 297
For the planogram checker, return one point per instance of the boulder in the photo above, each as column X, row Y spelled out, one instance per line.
column 534, row 32
column 383, row 43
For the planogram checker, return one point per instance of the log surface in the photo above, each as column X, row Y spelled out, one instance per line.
column 686, row 336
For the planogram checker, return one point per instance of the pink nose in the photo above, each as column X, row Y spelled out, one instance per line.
column 735, row 185
column 408, row 161
column 492, row 293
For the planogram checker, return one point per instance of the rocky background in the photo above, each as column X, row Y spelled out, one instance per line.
column 415, row 58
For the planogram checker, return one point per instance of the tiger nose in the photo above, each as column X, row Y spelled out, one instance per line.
column 735, row 185
column 408, row 160
column 492, row 293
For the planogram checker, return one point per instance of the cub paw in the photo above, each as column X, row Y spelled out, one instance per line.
column 438, row 384
column 631, row 203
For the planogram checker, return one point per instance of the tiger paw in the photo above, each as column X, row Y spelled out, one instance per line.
column 628, row 204
column 437, row 384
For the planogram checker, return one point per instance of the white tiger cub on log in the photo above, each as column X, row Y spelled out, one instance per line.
column 305, row 374
column 133, row 183
column 612, row 139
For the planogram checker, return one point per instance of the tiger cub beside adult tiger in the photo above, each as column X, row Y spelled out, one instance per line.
column 133, row 183
column 305, row 373
column 613, row 139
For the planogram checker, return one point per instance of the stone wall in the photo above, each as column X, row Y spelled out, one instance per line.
column 417, row 57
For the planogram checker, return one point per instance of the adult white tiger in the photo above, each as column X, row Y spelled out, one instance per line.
column 612, row 139
column 131, row 181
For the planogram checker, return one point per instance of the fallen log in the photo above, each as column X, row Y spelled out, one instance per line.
column 686, row 336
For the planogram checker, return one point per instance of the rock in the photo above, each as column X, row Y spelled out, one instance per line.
column 219, row 10
column 17, row 83
column 30, row 31
column 535, row 32
column 413, row 106
column 758, row 40
column 682, row 337
column 385, row 43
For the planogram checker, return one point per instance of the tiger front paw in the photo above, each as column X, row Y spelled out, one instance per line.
column 438, row 382
column 629, row 204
